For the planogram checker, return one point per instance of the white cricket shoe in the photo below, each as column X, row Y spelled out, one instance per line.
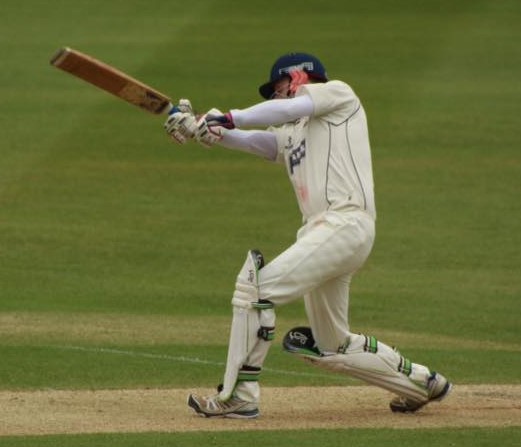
column 438, row 389
column 213, row 406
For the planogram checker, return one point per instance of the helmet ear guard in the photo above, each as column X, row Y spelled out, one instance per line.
column 300, row 341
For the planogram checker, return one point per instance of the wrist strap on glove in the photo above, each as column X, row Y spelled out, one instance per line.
column 225, row 120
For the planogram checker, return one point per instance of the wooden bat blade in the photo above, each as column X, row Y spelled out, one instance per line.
column 111, row 80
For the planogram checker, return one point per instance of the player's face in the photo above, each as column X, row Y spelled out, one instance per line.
column 281, row 89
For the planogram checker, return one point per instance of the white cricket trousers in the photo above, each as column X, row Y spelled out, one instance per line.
column 318, row 267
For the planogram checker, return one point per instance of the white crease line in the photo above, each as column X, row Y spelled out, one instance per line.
column 183, row 359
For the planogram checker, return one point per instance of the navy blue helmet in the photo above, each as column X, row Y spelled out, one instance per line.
column 284, row 64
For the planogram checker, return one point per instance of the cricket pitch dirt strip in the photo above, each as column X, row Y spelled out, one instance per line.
column 144, row 410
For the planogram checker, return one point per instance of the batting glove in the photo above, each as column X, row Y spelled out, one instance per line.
column 184, row 106
column 209, row 134
column 181, row 122
column 220, row 119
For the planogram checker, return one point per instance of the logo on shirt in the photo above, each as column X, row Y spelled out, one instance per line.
column 296, row 155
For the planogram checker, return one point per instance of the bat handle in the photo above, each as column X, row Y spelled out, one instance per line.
column 170, row 108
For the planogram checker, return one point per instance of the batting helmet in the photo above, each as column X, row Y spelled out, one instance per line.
column 284, row 64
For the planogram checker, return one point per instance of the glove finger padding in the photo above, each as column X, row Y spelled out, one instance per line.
column 184, row 106
column 178, row 137
column 181, row 123
column 206, row 135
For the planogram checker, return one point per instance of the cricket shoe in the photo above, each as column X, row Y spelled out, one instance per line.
column 213, row 406
column 438, row 389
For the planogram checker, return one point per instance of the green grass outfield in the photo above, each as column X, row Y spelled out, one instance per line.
column 119, row 250
column 306, row 438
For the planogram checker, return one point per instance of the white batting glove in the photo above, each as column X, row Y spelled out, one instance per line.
column 206, row 134
column 181, row 123
column 184, row 106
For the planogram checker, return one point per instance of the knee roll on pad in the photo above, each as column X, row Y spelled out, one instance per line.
column 246, row 285
column 246, row 296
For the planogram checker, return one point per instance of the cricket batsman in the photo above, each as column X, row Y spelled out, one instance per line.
column 317, row 128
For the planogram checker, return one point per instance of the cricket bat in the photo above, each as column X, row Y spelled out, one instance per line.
column 111, row 80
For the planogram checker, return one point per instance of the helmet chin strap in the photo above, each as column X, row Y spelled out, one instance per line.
column 298, row 78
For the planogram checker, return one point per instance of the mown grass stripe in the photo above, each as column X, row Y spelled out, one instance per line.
column 182, row 359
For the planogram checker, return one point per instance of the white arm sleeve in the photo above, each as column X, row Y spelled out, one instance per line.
column 273, row 112
column 258, row 142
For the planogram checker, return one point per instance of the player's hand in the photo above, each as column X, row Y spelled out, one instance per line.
column 216, row 118
column 184, row 106
column 181, row 122
column 209, row 132
column 181, row 126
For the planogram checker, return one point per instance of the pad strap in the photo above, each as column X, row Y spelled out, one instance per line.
column 249, row 374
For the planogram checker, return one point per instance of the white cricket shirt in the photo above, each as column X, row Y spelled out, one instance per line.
column 328, row 155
